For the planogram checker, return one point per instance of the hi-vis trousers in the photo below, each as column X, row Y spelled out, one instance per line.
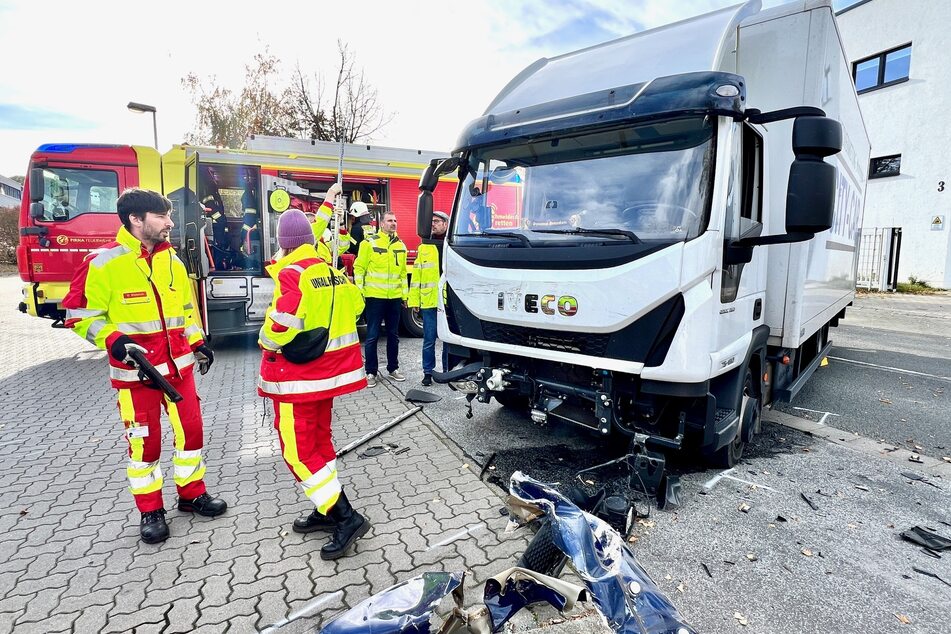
column 304, row 430
column 141, row 411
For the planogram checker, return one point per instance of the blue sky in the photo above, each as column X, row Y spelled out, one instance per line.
column 70, row 71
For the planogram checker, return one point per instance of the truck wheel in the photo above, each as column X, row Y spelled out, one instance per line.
column 729, row 456
column 412, row 322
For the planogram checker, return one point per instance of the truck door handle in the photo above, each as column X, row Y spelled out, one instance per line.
column 757, row 309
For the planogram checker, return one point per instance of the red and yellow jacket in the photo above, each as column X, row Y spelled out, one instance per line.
column 123, row 289
column 303, row 296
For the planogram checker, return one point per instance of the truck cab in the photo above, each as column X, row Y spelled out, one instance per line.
column 653, row 236
column 69, row 209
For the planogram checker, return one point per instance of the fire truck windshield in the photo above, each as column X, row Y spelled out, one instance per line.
column 70, row 192
column 622, row 185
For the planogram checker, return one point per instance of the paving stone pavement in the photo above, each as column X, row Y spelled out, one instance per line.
column 69, row 545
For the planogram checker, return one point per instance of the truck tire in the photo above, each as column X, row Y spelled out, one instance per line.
column 729, row 456
column 542, row 555
column 412, row 322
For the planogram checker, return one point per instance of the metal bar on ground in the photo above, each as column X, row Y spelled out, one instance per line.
column 379, row 430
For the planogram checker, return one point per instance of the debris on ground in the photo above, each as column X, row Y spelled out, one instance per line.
column 742, row 620
column 928, row 573
column 927, row 538
column 904, row 620
column 917, row 477
column 809, row 501
column 373, row 451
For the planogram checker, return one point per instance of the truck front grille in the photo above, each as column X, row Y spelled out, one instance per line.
column 577, row 343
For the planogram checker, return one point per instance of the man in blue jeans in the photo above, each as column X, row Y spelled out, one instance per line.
column 424, row 291
column 380, row 273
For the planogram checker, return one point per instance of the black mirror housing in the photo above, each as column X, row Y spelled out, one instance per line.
column 816, row 136
column 37, row 210
column 37, row 185
column 424, row 215
column 810, row 197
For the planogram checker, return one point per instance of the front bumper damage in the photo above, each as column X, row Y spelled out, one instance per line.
column 623, row 592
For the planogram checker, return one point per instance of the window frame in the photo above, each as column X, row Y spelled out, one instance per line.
column 880, row 80
column 871, row 171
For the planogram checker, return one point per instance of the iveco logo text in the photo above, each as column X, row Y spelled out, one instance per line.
column 566, row 305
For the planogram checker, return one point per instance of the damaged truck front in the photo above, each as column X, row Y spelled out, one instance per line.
column 655, row 234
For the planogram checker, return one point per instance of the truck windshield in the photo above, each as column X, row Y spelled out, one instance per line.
column 646, row 183
column 69, row 192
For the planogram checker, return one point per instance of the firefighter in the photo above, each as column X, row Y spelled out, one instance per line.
column 135, row 294
column 360, row 227
column 313, row 302
column 250, row 233
column 423, row 291
column 380, row 273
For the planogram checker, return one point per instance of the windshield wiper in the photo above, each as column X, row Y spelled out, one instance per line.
column 501, row 234
column 604, row 232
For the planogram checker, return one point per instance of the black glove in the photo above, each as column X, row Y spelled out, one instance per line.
column 119, row 350
column 205, row 357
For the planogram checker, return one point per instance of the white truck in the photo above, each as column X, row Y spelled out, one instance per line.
column 655, row 234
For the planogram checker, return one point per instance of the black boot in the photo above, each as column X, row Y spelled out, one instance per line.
column 313, row 522
column 427, row 379
column 350, row 526
column 153, row 527
column 204, row 504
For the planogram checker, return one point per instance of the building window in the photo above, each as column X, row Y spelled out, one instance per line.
column 884, row 69
column 885, row 166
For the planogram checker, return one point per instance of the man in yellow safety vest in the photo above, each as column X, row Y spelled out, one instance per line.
column 424, row 291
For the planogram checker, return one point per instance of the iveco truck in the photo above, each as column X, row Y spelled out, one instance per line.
column 654, row 235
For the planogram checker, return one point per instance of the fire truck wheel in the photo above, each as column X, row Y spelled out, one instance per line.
column 412, row 322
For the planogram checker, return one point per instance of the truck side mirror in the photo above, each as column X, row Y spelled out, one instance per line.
column 424, row 215
column 37, row 185
column 37, row 210
column 810, row 196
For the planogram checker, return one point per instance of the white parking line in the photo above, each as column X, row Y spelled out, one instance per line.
column 825, row 415
column 887, row 368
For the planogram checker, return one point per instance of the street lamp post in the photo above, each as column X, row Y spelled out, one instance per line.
column 141, row 107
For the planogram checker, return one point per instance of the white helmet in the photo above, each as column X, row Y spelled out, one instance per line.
column 359, row 208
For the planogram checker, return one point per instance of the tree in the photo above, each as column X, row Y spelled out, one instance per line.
column 305, row 108
column 225, row 118
column 18, row 179
column 351, row 111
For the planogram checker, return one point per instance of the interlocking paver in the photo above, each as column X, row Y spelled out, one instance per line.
column 237, row 572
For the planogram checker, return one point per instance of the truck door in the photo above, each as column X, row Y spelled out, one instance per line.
column 193, row 243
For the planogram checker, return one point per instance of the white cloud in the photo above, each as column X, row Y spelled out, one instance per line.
column 436, row 64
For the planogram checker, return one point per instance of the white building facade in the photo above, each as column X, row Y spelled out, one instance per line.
column 901, row 61
column 10, row 192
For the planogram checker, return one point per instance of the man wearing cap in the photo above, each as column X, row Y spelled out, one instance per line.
column 311, row 354
column 424, row 290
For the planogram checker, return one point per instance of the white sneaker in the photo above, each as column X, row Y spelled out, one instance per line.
column 371, row 380
column 396, row 375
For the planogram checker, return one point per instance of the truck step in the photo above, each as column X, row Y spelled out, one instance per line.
column 723, row 415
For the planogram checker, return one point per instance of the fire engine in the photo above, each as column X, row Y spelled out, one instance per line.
column 226, row 203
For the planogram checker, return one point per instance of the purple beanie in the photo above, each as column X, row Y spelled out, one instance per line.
column 293, row 230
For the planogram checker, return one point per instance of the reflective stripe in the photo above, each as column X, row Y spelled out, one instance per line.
column 288, row 320
column 343, row 341
column 188, row 306
column 174, row 322
column 192, row 330
column 305, row 387
column 377, row 285
column 122, row 374
column 189, row 466
column 137, row 327
column 144, row 477
column 83, row 313
column 323, row 215
column 320, row 477
column 427, row 285
column 425, row 265
column 94, row 330
column 106, row 255
column 383, row 276
column 296, row 267
column 267, row 342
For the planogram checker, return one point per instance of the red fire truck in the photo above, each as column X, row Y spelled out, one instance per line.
column 225, row 206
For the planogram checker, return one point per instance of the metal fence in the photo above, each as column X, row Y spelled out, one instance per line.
column 879, row 251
